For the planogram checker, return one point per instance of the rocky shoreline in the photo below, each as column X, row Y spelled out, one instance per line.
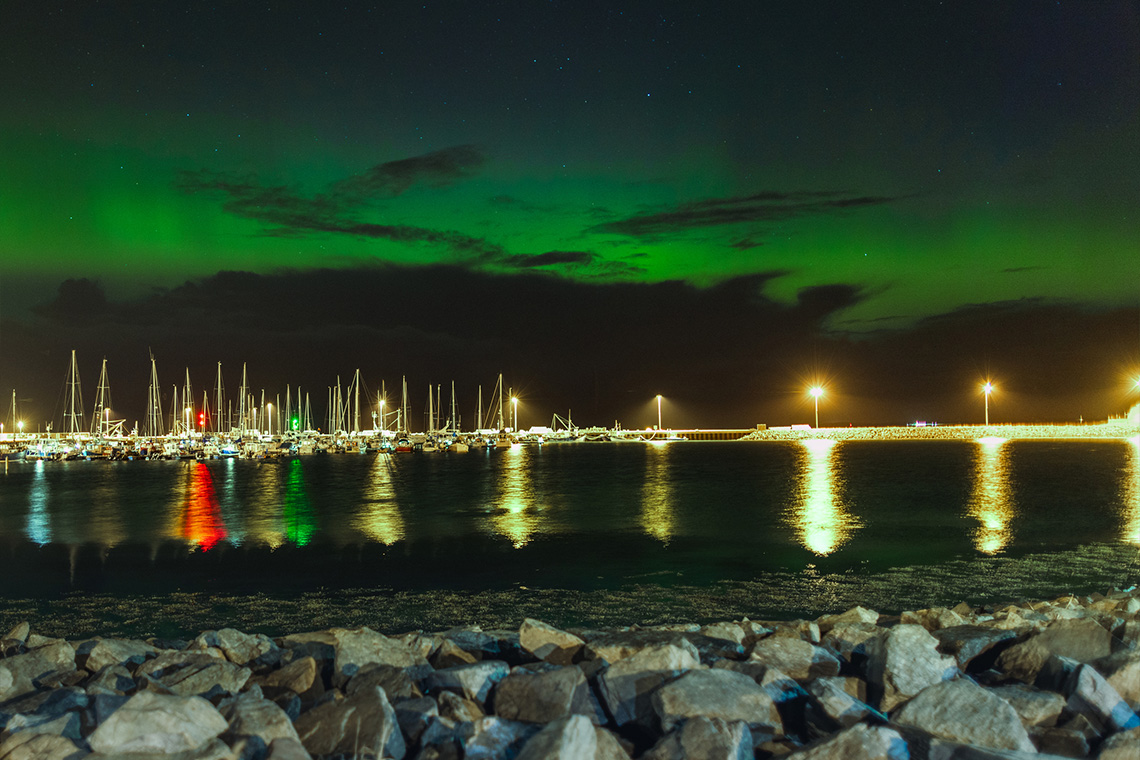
column 1101, row 431
column 1059, row 677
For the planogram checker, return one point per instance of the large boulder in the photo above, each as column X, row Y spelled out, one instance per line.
column 1035, row 707
column 798, row 658
column 22, row 673
column 569, row 738
column 962, row 711
column 95, row 654
column 158, row 723
column 546, row 696
column 549, row 643
column 240, row 648
column 364, row 721
column 252, row 715
column 860, row 742
column 1082, row 640
column 725, row 694
column 473, row 681
column 359, row 647
column 831, row 699
column 1122, row 671
column 1092, row 696
column 903, row 661
column 969, row 642
column 704, row 737
column 626, row 685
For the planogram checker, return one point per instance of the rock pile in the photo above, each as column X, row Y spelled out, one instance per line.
column 1060, row 677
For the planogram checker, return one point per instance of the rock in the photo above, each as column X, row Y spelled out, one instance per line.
column 1121, row 746
column 32, row 746
column 239, row 648
column 19, row 632
column 831, row 698
column 723, row 694
column 1035, row 707
column 608, row 746
column 613, row 647
column 413, row 715
column 962, row 711
column 487, row 645
column 549, row 643
column 544, row 697
column 302, row 677
column 23, row 672
column 860, row 742
column 395, row 682
column 799, row 659
column 359, row 647
column 473, row 681
column 967, row 643
column 569, row 738
column 96, row 654
column 733, row 632
column 113, row 679
column 853, row 615
column 1122, row 671
column 158, row 723
column 1092, row 696
column 287, row 749
column 209, row 679
column 902, row 662
column 627, row 684
column 364, row 721
column 64, row 724
column 848, row 641
column 448, row 654
column 704, row 737
column 1080, row 640
column 933, row 619
column 459, row 709
column 496, row 738
column 1053, row 741
column 251, row 715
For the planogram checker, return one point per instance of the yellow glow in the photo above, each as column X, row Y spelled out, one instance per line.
column 514, row 515
column 657, row 495
column 1131, row 524
column 990, row 502
column 820, row 517
column 988, row 388
column 817, row 391
column 380, row 517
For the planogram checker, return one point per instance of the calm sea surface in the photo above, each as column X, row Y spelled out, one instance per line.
column 576, row 534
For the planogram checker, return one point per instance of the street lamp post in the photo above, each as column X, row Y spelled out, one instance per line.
column 269, row 417
column 383, row 424
column 816, row 392
column 988, row 388
column 515, row 410
column 658, row 411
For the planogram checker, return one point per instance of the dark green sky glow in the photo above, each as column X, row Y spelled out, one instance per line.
column 891, row 165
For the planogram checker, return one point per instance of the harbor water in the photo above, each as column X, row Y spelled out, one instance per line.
column 578, row 534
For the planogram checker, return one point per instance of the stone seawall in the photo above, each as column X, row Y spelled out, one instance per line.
column 948, row 433
column 1059, row 677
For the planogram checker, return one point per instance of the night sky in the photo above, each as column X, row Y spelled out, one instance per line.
column 719, row 202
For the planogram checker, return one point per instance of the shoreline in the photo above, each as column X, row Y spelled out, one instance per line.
column 1057, row 676
column 951, row 433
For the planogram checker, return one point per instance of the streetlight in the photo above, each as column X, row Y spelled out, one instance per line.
column 515, row 406
column 988, row 388
column 383, row 424
column 269, row 417
column 658, row 411
column 816, row 392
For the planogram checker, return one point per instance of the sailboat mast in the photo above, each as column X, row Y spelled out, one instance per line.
column 241, row 403
column 102, row 391
column 218, row 425
column 356, row 404
column 75, row 406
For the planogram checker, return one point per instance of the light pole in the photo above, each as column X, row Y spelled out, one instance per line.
column 515, row 410
column 269, row 417
column 658, row 411
column 816, row 392
column 988, row 388
column 382, row 423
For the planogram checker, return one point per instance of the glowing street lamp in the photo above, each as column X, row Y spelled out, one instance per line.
column 988, row 388
column 816, row 392
column 515, row 408
column 658, row 411
column 383, row 424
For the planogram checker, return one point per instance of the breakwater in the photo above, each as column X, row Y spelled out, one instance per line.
column 1060, row 677
column 948, row 433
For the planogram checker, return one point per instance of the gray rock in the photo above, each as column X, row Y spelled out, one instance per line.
column 396, row 682
column 240, row 648
column 776, row 684
column 1122, row 746
column 448, row 654
column 365, row 720
column 32, row 746
column 962, row 711
column 359, row 647
column 208, row 680
column 549, row 643
column 799, row 659
column 723, row 694
column 64, row 724
column 113, row 679
column 860, row 742
column 728, row 631
column 1081, row 640
column 544, row 697
column 287, row 749
column 1053, row 741
column 903, row 661
column 608, row 746
column 849, row 640
column 613, row 647
column 853, row 615
column 458, row 708
column 933, row 619
column 1122, row 671
column 627, row 684
column 19, row 632
column 158, row 723
column 831, row 698
column 701, row 738
column 486, row 645
column 569, row 738
column 968, row 642
column 413, row 715
column 20, row 674
column 1035, row 707
column 301, row 676
column 495, row 738
column 96, row 654
column 251, row 715
column 1092, row 696
column 473, row 681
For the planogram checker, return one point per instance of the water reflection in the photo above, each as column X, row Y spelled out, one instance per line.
column 296, row 511
column 657, row 494
column 990, row 502
column 1131, row 496
column 380, row 517
column 202, row 517
column 820, row 517
column 515, row 509
column 38, row 527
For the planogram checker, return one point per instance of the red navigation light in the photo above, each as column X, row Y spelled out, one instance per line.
column 202, row 419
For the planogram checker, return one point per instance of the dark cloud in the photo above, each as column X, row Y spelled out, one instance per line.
column 78, row 300
column 758, row 207
column 746, row 244
column 438, row 168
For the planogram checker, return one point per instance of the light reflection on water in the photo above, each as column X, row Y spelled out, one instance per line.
column 39, row 525
column 515, row 513
column 820, row 515
column 297, row 511
column 379, row 517
column 202, row 517
column 657, row 493
column 990, row 502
